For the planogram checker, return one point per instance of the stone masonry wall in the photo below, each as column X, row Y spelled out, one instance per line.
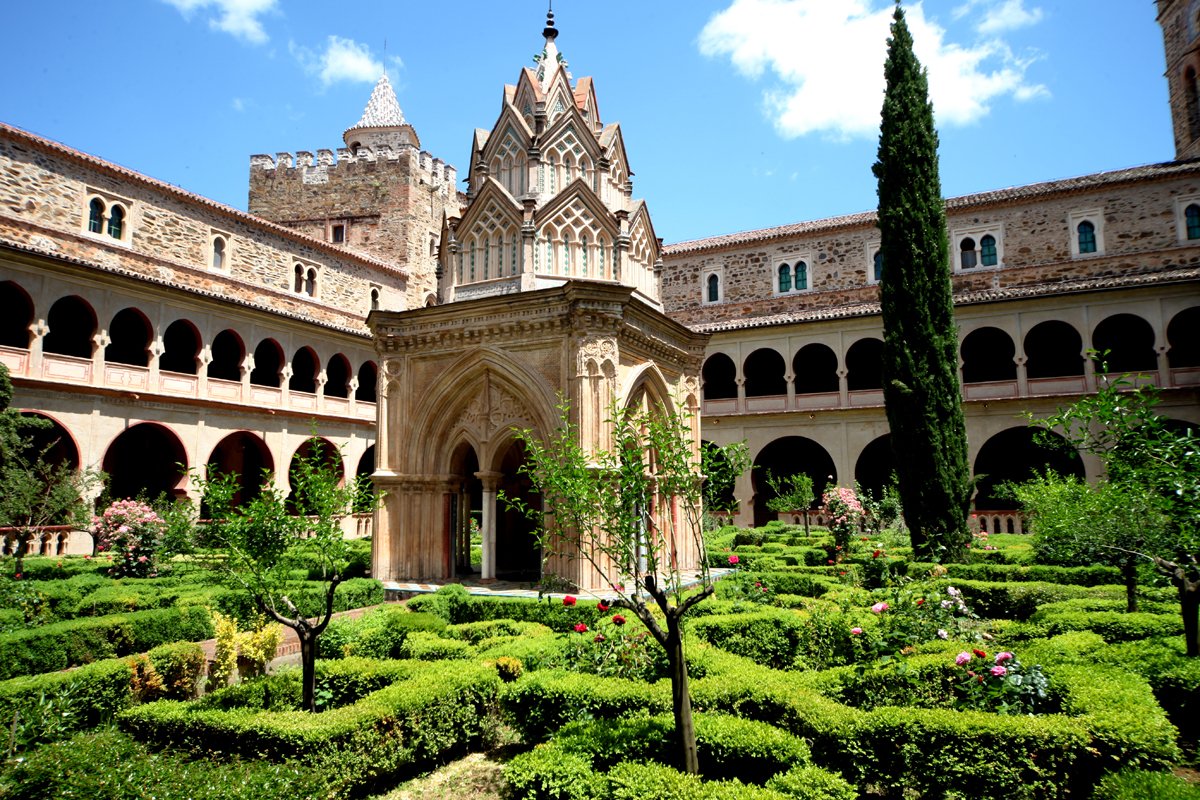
column 391, row 204
column 44, row 204
column 1140, row 234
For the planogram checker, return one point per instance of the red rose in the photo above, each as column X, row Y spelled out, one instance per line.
column 568, row 600
column 877, row 554
column 580, row 627
column 618, row 619
column 602, row 606
column 920, row 601
column 979, row 653
column 599, row 638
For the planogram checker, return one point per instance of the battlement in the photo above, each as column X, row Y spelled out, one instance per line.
column 326, row 161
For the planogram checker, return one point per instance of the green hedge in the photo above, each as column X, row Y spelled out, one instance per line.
column 1019, row 600
column 1114, row 626
column 781, row 639
column 539, row 703
column 1135, row 784
column 1111, row 720
column 453, row 604
column 108, row 765
column 429, row 713
column 82, row 641
column 379, row 633
column 1074, row 576
column 99, row 691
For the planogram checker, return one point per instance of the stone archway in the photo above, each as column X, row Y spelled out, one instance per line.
column 246, row 455
column 518, row 553
column 146, row 460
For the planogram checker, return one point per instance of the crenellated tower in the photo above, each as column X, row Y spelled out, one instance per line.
column 550, row 196
column 380, row 194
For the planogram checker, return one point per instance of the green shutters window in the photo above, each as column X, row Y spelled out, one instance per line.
column 878, row 265
column 785, row 278
column 116, row 222
column 1192, row 215
column 96, row 216
column 1087, row 237
column 714, row 288
column 987, row 251
column 801, row 276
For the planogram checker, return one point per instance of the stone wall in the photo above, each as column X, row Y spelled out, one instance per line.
column 1139, row 227
column 388, row 203
column 45, row 190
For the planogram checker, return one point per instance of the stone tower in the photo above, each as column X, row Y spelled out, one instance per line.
column 549, row 196
column 1180, row 21
column 381, row 194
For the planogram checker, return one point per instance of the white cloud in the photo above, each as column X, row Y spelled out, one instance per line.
column 824, row 62
column 240, row 18
column 999, row 16
column 342, row 60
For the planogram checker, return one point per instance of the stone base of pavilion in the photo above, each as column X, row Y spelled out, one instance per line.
column 403, row 590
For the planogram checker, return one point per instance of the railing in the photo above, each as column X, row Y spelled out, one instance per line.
column 48, row 540
column 997, row 522
column 74, row 371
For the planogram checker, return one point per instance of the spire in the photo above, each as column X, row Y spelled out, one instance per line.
column 383, row 109
column 550, row 58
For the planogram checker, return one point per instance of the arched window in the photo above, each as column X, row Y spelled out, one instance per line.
column 987, row 251
column 96, row 215
column 374, row 298
column 1087, row 236
column 487, row 247
column 566, row 253
column 967, row 253
column 472, row 262
column 1191, row 215
column 218, row 253
column 714, row 288
column 878, row 265
column 514, row 262
column 801, row 276
column 116, row 221
column 601, row 265
column 298, row 284
column 583, row 255
column 310, row 282
column 785, row 278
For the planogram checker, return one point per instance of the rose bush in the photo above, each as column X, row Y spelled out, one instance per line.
column 131, row 533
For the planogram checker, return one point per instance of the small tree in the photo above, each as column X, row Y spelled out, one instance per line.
column 262, row 543
column 34, row 492
column 601, row 507
column 1144, row 452
column 1075, row 523
column 792, row 493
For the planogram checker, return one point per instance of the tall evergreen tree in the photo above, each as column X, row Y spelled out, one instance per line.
column 920, row 343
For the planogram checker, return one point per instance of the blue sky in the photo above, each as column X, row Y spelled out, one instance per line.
column 737, row 114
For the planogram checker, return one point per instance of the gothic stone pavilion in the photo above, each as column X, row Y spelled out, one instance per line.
column 155, row 327
column 548, row 289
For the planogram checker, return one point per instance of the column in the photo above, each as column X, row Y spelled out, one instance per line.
column 491, row 482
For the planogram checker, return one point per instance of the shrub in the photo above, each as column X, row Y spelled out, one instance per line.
column 377, row 634
column 81, row 641
column 812, row 783
column 1115, row 626
column 1136, row 784
column 180, row 665
column 131, row 531
column 108, row 765
column 49, row 707
column 547, row 773
column 632, row 781
column 771, row 638
column 539, row 703
column 431, row 647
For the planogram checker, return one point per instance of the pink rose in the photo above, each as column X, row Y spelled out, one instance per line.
column 879, row 607
column 962, row 658
column 855, row 631
column 1002, row 657
column 733, row 558
column 999, row 671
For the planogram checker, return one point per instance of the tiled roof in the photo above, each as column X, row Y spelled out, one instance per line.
column 1014, row 193
column 866, row 309
column 383, row 109
column 220, row 296
column 196, row 199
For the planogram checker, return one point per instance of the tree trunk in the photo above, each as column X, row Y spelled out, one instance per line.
column 1129, row 573
column 1189, row 606
column 806, row 522
column 308, row 667
column 681, row 698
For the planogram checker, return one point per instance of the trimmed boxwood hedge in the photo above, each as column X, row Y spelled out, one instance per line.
column 82, row 641
column 1096, row 575
column 539, row 703
column 431, row 711
column 102, row 689
column 1019, row 600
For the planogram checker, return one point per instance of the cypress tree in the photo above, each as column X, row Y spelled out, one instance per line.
column 920, row 343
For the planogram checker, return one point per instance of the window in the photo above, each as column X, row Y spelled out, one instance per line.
column 979, row 246
column 712, row 286
column 310, row 282
column 876, row 265
column 374, row 298
column 338, row 234
column 218, row 253
column 1187, row 218
column 1087, row 237
column 987, row 251
column 801, row 276
column 96, row 215
column 785, row 278
column 792, row 276
column 304, row 280
column 967, row 255
column 1192, row 216
column 298, row 283
column 107, row 217
column 1087, row 232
